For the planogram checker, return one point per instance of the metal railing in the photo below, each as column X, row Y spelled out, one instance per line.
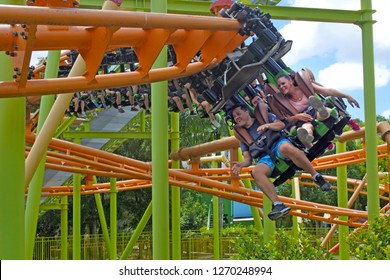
column 93, row 247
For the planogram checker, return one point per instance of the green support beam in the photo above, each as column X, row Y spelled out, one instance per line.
column 160, row 185
column 137, row 232
column 175, row 191
column 369, row 111
column 103, row 222
column 35, row 187
column 76, row 222
column 342, row 201
column 64, row 227
column 12, row 127
column 312, row 14
column 277, row 12
column 113, row 217
column 108, row 135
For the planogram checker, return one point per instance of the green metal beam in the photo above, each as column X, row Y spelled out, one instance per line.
column 110, row 135
column 175, row 191
column 369, row 112
column 160, row 128
column 173, row 6
column 277, row 12
column 313, row 14
column 35, row 188
column 113, row 217
column 12, row 127
column 137, row 232
column 342, row 201
column 64, row 227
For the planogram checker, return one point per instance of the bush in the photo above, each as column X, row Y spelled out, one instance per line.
column 372, row 242
column 284, row 246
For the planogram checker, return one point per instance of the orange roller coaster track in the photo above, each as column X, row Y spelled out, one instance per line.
column 67, row 156
column 93, row 32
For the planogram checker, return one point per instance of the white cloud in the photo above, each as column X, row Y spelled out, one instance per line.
column 339, row 43
column 334, row 51
column 386, row 113
column 35, row 57
column 343, row 76
column 349, row 76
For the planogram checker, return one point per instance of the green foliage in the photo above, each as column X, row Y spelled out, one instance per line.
column 372, row 242
column 195, row 130
column 284, row 246
column 193, row 210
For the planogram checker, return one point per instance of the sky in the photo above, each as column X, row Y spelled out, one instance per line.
column 334, row 51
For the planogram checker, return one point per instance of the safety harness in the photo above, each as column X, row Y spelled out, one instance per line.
column 265, row 142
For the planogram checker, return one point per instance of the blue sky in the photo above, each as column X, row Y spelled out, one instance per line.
column 334, row 51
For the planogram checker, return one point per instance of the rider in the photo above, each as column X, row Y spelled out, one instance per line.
column 281, row 148
column 301, row 102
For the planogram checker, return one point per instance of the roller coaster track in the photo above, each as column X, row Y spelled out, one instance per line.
column 93, row 32
column 70, row 157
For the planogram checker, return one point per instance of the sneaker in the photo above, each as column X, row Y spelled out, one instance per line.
column 120, row 109
column 324, row 185
column 147, row 112
column 330, row 147
column 185, row 115
column 215, row 123
column 133, row 109
column 278, row 211
column 193, row 113
column 354, row 125
column 305, row 137
column 68, row 114
column 83, row 115
column 319, row 106
column 94, row 114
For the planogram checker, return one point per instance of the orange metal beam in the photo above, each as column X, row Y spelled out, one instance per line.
column 10, row 14
column 85, row 160
column 93, row 32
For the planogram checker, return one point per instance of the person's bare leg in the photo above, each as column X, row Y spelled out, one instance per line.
column 259, row 174
column 297, row 156
column 188, row 101
column 118, row 98
column 146, row 101
column 178, row 103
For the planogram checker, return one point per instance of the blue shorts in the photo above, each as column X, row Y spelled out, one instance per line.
column 276, row 151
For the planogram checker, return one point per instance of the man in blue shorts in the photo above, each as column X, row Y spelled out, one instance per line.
column 283, row 148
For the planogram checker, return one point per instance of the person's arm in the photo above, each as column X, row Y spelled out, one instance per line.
column 237, row 166
column 334, row 92
column 304, row 117
column 275, row 126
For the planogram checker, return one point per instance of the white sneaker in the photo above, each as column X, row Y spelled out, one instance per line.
column 305, row 137
column 83, row 115
column 215, row 123
column 319, row 106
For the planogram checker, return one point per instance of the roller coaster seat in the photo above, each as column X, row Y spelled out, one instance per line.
column 324, row 131
column 284, row 168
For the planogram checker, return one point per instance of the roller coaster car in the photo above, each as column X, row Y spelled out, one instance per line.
column 261, row 54
column 325, row 131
